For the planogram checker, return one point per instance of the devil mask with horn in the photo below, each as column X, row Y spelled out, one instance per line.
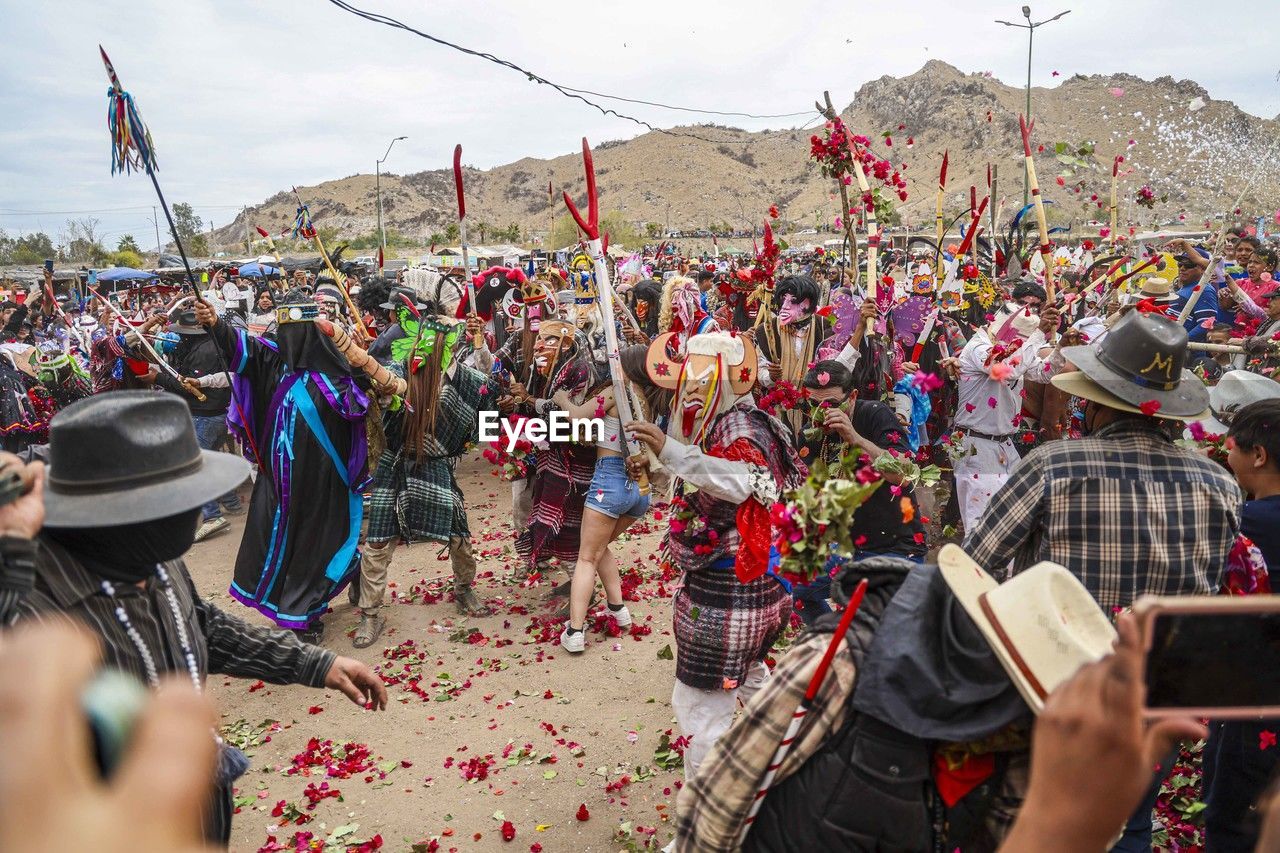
column 716, row 370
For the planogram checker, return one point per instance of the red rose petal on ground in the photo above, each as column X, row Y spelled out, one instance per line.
column 583, row 814
column 315, row 709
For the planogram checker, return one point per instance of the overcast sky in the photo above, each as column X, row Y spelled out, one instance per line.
column 245, row 98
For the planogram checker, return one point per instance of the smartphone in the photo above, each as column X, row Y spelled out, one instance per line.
column 48, row 264
column 1211, row 656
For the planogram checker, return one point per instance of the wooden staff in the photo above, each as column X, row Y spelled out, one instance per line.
column 851, row 243
column 338, row 278
column 993, row 173
column 1046, row 250
column 477, row 339
column 1232, row 348
column 1115, row 178
column 604, row 291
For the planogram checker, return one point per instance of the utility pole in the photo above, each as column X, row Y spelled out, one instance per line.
column 1031, row 34
column 377, row 179
column 248, row 241
column 156, row 223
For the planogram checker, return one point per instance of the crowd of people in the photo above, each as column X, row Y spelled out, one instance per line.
column 1114, row 414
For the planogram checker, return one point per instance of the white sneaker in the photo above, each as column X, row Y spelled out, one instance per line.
column 623, row 616
column 211, row 527
column 575, row 642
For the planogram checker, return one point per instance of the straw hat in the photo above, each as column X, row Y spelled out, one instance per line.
column 1042, row 624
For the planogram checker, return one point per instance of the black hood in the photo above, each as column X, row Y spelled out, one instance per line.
column 304, row 347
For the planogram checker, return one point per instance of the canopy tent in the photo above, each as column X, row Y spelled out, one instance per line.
column 258, row 270
column 125, row 274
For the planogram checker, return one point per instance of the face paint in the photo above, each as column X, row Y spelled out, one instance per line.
column 642, row 310
column 792, row 311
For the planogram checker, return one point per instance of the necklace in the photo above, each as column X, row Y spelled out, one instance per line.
column 184, row 641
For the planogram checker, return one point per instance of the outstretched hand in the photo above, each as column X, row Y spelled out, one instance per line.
column 357, row 682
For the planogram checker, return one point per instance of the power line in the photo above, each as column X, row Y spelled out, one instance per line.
column 567, row 91
column 8, row 211
column 686, row 109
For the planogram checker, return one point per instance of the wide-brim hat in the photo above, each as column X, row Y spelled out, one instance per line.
column 1140, row 360
column 1235, row 390
column 130, row 456
column 186, row 324
column 1042, row 624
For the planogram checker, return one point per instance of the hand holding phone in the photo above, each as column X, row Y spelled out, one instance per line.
column 1211, row 656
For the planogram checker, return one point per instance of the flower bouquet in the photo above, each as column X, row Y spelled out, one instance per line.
column 902, row 465
column 815, row 521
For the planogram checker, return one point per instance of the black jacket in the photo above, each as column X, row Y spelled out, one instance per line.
column 196, row 356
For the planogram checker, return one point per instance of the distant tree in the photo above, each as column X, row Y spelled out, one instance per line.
column 82, row 242
column 28, row 249
column 653, row 230
column 128, row 244
column 437, row 239
column 483, row 227
column 451, row 233
column 614, row 223
column 190, row 229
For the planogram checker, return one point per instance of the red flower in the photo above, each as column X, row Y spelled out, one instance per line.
column 583, row 814
column 508, row 830
column 1150, row 407
column 1266, row 739
column 661, row 368
column 773, row 211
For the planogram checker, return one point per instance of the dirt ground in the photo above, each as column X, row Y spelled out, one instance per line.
column 541, row 733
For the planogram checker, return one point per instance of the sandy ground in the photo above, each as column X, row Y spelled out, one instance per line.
column 554, row 731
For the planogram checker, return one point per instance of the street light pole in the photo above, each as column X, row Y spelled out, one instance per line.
column 1030, row 27
column 377, row 182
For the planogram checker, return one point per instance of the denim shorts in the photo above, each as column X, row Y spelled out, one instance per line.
column 613, row 493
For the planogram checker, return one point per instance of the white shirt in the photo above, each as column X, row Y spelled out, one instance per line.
column 978, row 390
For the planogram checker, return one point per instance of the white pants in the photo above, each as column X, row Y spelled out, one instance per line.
column 979, row 473
column 704, row 715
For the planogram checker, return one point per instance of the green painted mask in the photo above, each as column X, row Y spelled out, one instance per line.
column 433, row 334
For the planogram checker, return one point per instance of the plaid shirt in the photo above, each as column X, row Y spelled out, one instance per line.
column 1125, row 510
column 713, row 806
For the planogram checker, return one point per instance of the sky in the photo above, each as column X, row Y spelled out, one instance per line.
column 246, row 97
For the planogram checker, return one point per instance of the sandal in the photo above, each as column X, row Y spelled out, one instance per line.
column 369, row 629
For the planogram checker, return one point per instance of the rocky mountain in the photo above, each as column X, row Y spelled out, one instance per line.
column 1197, row 155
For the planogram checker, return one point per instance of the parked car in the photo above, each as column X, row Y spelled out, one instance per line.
column 367, row 260
column 808, row 231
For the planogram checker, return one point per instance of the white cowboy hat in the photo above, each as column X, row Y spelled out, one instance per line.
column 1235, row 390
column 1042, row 623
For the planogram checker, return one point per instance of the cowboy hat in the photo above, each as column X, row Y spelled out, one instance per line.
column 1042, row 623
column 395, row 301
column 1155, row 288
column 128, row 457
column 1235, row 390
column 186, row 324
column 1140, row 361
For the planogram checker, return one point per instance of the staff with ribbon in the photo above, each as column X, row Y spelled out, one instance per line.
column 1046, row 249
column 604, row 290
column 478, row 339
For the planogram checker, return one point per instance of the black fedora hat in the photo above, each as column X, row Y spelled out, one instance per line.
column 186, row 324
column 129, row 456
column 1140, row 360
column 395, row 300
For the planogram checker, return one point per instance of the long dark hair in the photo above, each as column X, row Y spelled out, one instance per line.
column 657, row 401
column 422, row 399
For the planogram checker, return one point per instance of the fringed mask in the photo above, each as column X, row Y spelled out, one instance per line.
column 718, row 368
